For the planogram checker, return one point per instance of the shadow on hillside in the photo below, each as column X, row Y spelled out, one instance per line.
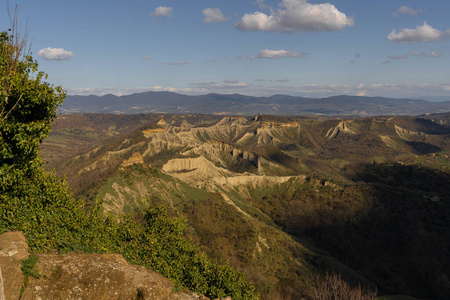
column 402, row 242
column 421, row 148
column 393, row 227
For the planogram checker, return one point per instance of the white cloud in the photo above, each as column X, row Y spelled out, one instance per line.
column 424, row 33
column 162, row 11
column 175, row 63
column 213, row 15
column 418, row 53
column 147, row 57
column 297, row 15
column 55, row 54
column 403, row 56
column 435, row 53
column 408, row 10
column 274, row 54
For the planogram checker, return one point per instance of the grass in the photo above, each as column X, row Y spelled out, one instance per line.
column 29, row 269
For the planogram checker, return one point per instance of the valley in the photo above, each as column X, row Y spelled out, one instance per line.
column 281, row 198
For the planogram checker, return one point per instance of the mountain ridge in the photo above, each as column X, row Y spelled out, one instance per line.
column 238, row 104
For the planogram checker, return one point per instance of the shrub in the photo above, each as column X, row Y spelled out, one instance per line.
column 334, row 287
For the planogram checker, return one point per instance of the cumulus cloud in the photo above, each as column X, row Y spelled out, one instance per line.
column 213, row 15
column 162, row 11
column 408, row 10
column 424, row 33
column 176, row 63
column 297, row 15
column 55, row 54
column 274, row 54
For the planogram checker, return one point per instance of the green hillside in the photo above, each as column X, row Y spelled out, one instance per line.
column 283, row 198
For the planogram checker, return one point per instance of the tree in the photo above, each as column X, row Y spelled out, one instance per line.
column 27, row 103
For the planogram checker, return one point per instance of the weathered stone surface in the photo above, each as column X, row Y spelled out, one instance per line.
column 2, row 289
column 81, row 276
column 13, row 248
column 97, row 276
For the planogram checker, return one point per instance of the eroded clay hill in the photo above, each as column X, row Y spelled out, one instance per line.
column 250, row 187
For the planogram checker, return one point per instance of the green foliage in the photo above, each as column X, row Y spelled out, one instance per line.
column 29, row 267
column 27, row 105
column 41, row 206
column 43, row 209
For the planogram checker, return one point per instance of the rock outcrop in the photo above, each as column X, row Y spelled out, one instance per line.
column 13, row 248
column 343, row 126
column 80, row 276
column 135, row 159
column 408, row 135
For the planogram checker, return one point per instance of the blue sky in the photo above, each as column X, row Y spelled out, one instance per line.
column 255, row 47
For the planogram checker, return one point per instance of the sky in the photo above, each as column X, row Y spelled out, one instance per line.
column 307, row 48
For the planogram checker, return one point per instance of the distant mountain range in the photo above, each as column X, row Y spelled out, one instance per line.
column 236, row 104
